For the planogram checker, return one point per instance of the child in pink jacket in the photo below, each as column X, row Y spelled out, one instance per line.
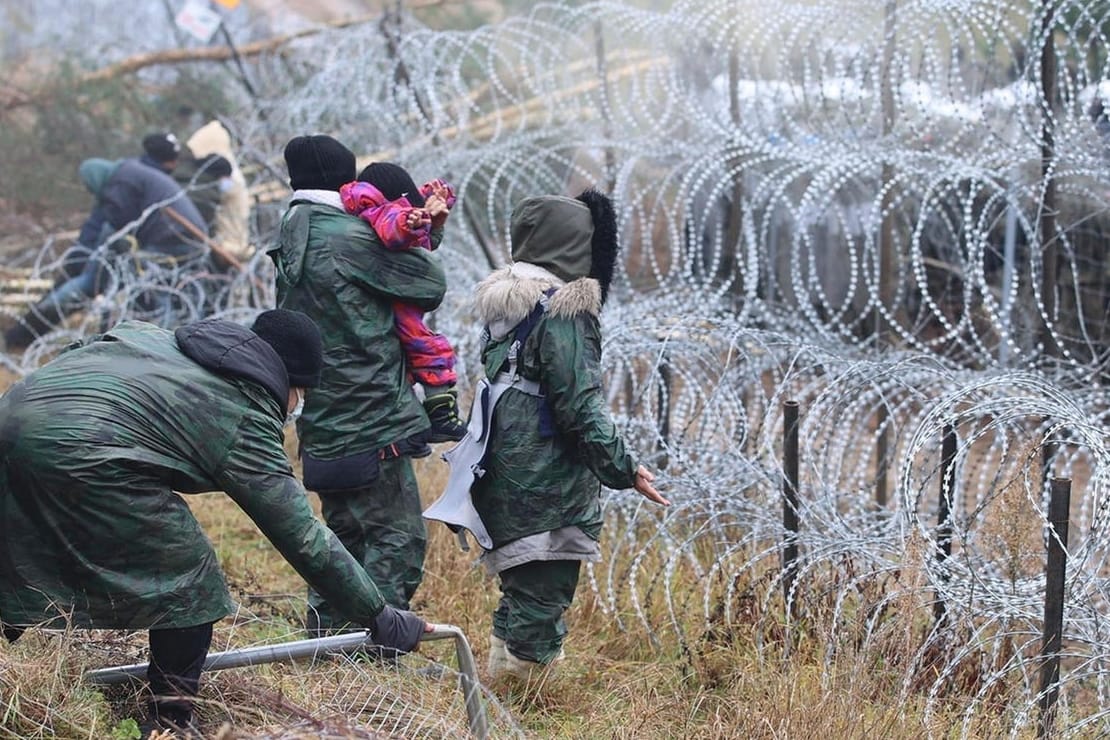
column 404, row 217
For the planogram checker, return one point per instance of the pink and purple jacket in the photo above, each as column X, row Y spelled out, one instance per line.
column 430, row 356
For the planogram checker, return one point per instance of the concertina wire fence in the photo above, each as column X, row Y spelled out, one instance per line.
column 890, row 212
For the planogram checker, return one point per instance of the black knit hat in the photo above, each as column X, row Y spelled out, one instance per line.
column 298, row 343
column 393, row 181
column 318, row 162
column 161, row 146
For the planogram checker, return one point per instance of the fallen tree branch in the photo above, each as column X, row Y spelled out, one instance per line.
column 19, row 98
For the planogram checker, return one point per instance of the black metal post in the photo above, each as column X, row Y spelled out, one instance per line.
column 1055, row 572
column 944, row 509
column 606, row 105
column 1048, row 457
column 889, row 270
column 790, row 501
column 1050, row 245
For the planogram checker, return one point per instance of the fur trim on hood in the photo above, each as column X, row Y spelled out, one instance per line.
column 507, row 296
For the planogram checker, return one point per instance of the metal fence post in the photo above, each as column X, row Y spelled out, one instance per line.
column 790, row 503
column 944, row 510
column 663, row 413
column 1055, row 573
column 316, row 648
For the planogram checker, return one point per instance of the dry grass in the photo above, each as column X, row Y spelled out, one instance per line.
column 616, row 683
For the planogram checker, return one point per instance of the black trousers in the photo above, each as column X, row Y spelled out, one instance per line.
column 176, row 659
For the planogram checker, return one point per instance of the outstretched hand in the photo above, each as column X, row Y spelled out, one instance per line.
column 643, row 485
column 399, row 629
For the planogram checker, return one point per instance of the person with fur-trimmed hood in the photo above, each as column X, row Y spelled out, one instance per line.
column 552, row 441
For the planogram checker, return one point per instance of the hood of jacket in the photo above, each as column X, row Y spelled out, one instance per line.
column 232, row 350
column 507, row 296
column 94, row 173
column 553, row 232
column 211, row 138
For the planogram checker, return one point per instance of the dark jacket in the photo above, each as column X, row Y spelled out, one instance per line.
column 332, row 267
column 132, row 188
column 547, row 457
column 93, row 447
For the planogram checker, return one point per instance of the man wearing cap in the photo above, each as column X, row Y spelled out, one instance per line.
column 161, row 150
column 93, row 448
column 358, row 425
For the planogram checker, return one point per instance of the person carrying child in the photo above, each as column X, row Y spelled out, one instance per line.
column 362, row 424
column 405, row 217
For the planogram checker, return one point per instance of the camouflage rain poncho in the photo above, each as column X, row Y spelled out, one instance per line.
column 547, row 457
column 332, row 267
column 92, row 448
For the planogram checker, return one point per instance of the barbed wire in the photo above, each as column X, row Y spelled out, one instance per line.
column 841, row 203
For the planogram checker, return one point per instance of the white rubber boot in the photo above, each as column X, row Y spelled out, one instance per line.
column 496, row 658
column 504, row 663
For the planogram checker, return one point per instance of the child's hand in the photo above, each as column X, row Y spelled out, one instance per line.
column 440, row 188
column 418, row 219
column 436, row 208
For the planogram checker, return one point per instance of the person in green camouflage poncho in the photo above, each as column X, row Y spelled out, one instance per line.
column 552, row 442
column 358, row 425
column 94, row 445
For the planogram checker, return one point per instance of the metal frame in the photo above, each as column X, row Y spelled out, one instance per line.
column 320, row 647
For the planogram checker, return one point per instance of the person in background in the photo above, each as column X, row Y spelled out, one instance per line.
column 405, row 217
column 94, row 447
column 225, row 187
column 137, row 199
column 552, row 442
column 204, row 180
column 161, row 150
column 359, row 426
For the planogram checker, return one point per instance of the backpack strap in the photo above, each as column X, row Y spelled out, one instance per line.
column 509, row 373
column 523, row 329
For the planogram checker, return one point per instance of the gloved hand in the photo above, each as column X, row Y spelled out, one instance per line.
column 397, row 629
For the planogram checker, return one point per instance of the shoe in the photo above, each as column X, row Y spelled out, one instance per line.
column 41, row 318
column 416, row 446
column 502, row 662
column 17, row 338
column 443, row 412
column 163, row 729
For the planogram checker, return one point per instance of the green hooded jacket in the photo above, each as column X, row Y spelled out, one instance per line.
column 94, row 445
column 547, row 457
column 332, row 267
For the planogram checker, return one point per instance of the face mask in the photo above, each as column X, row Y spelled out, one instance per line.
column 292, row 416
